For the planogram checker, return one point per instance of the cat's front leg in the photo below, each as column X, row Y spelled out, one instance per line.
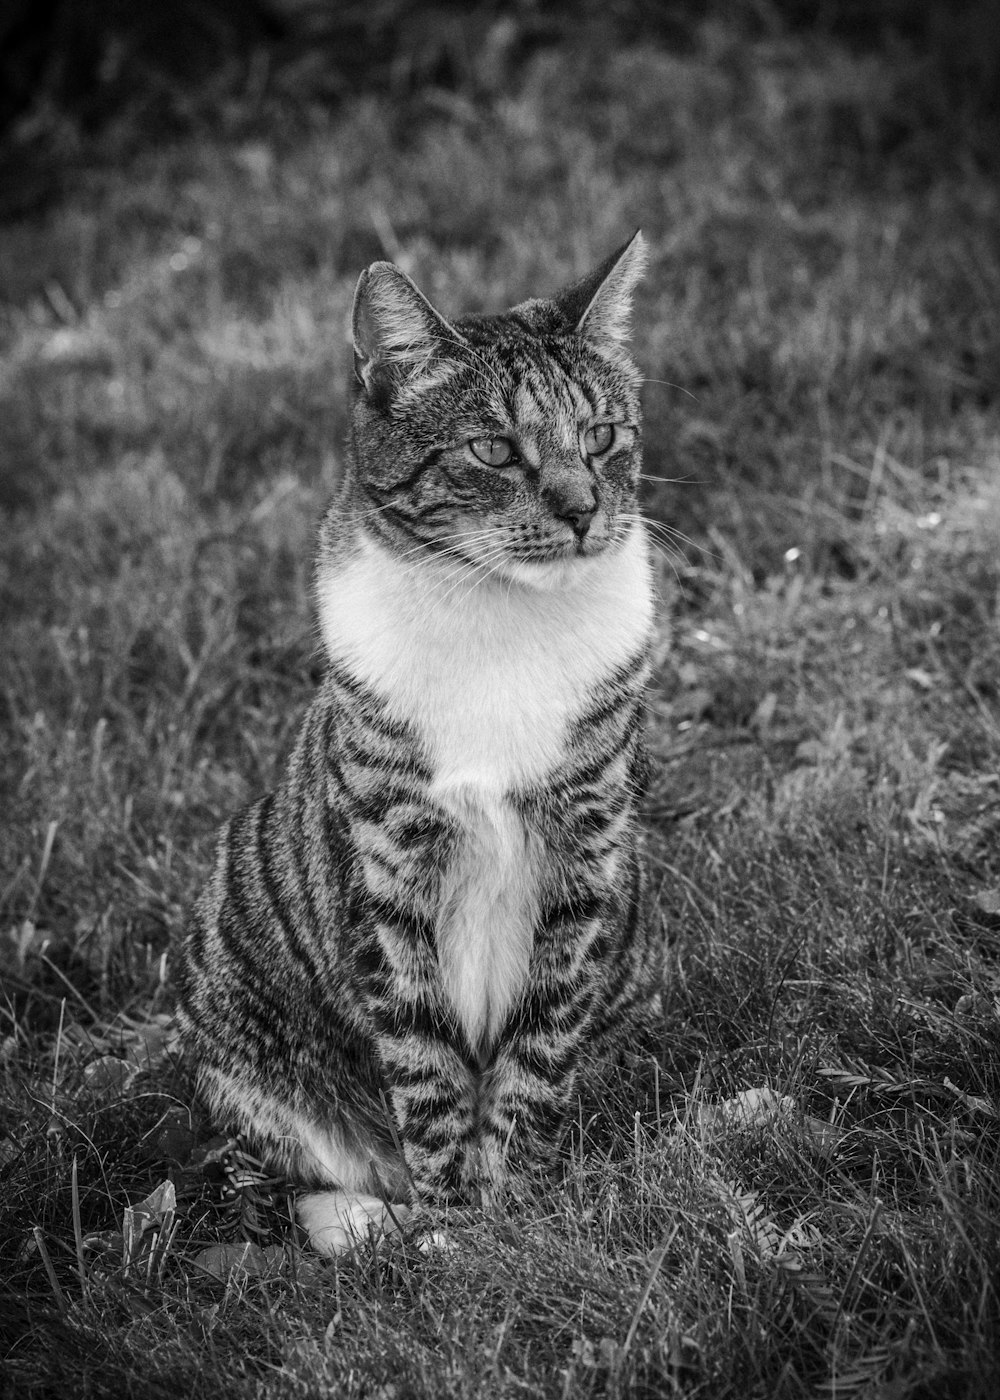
column 429, row 1105
column 429, row 1102
column 432, row 1100
column 530, row 1088
column 422, row 1061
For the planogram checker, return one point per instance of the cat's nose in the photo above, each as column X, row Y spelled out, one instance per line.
column 576, row 507
column 579, row 520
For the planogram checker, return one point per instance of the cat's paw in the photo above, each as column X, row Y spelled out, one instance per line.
column 436, row 1242
column 338, row 1221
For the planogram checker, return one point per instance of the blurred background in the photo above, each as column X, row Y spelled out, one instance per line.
column 70, row 68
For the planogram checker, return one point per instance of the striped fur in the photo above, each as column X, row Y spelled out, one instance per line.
column 411, row 956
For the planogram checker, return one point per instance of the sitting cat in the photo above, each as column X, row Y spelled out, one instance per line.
column 410, row 957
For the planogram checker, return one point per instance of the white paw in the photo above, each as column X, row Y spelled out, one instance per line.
column 338, row 1221
column 436, row 1240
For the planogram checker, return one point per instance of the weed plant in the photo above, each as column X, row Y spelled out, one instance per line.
column 804, row 1199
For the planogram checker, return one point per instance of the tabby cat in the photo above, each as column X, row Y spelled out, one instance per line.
column 411, row 956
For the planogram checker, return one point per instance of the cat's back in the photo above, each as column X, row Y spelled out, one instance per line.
column 276, row 883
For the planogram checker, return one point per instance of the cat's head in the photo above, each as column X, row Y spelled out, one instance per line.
column 509, row 441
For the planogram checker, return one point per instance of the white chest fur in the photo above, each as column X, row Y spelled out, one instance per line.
column 490, row 673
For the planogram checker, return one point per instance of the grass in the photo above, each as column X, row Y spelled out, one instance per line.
column 820, row 334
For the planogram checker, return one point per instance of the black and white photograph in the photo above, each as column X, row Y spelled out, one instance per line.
column 500, row 700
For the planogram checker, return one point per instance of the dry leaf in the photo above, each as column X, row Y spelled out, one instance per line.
column 155, row 1213
column 156, row 1205
column 224, row 1260
column 148, row 1043
column 762, row 1108
column 109, row 1074
column 756, row 1225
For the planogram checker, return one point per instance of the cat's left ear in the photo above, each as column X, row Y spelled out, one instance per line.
column 599, row 306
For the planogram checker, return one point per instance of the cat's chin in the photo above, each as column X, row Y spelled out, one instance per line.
column 548, row 575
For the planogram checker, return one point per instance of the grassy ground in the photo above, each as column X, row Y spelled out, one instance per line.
column 820, row 332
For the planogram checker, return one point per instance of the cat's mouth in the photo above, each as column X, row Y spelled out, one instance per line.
column 521, row 554
column 552, row 551
column 560, row 553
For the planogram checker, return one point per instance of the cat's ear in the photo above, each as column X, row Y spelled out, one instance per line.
column 394, row 325
column 599, row 306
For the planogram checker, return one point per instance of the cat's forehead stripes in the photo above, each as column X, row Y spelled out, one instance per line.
column 535, row 421
column 550, row 401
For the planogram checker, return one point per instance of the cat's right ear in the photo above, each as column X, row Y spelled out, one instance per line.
column 395, row 328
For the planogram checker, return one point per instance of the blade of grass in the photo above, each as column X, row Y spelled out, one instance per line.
column 78, row 1227
column 54, row 1283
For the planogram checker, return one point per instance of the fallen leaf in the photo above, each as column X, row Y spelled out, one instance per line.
column 105, row 1242
column 988, row 901
column 976, row 1102
column 222, row 1261
column 148, row 1043
column 747, row 1109
column 109, row 1074
column 154, row 1213
column 762, row 1108
column 156, row 1205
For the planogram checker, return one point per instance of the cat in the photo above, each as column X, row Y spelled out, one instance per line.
column 412, row 955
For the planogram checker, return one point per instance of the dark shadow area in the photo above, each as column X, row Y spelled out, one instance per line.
column 75, row 70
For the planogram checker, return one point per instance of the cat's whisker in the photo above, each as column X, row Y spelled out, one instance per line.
column 462, row 566
column 425, row 547
column 442, row 577
column 668, row 560
column 671, row 385
column 661, row 543
column 362, row 517
column 671, row 480
column 491, row 572
column 445, row 568
column 471, row 571
column 423, row 555
column 482, row 568
column 668, row 551
column 670, row 532
column 674, row 534
column 510, row 586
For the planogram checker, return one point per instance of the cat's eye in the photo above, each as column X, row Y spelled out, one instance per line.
column 492, row 451
column 598, row 439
